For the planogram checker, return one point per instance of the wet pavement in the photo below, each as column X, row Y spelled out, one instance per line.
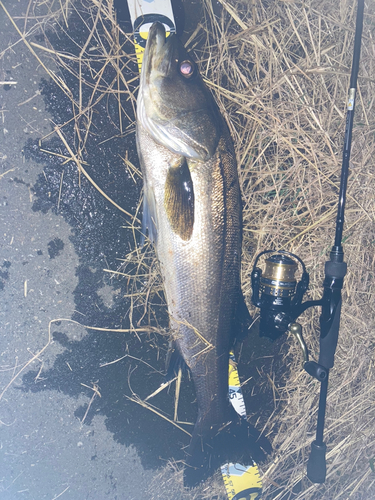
column 67, row 426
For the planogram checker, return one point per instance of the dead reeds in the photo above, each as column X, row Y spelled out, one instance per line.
column 286, row 70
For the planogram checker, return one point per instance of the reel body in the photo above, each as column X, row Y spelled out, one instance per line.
column 277, row 294
column 279, row 298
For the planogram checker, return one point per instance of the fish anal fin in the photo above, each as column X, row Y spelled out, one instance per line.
column 242, row 320
column 174, row 362
column 179, row 200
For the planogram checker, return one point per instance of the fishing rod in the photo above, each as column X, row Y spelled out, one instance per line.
column 279, row 297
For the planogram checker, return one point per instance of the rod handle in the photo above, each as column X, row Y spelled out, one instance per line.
column 316, row 466
column 331, row 311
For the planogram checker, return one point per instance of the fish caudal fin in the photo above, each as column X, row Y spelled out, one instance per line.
column 237, row 442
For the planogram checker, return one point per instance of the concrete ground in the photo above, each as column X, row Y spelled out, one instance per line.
column 65, row 430
column 67, row 427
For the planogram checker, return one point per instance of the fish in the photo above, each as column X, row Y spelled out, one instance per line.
column 193, row 214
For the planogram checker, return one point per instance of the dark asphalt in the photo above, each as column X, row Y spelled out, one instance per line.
column 54, row 246
column 67, row 429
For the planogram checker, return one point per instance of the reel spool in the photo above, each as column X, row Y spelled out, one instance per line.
column 276, row 292
column 278, row 279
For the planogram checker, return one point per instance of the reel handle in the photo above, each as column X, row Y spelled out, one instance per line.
column 314, row 369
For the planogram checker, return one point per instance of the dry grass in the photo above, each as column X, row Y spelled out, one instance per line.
column 280, row 72
column 287, row 115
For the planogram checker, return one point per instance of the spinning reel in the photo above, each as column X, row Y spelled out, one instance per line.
column 279, row 298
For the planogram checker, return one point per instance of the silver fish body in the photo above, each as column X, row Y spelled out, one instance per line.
column 192, row 208
column 200, row 275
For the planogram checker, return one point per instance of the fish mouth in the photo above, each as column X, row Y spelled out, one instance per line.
column 159, row 52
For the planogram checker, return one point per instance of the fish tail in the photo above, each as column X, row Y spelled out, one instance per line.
column 235, row 441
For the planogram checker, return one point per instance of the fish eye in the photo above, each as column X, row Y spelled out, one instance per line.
column 187, row 69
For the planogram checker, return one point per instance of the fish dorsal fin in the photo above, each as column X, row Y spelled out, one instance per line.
column 179, row 200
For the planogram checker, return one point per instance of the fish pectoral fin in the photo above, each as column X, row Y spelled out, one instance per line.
column 149, row 217
column 179, row 200
column 174, row 362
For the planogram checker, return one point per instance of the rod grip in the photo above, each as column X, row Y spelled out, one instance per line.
column 331, row 310
column 329, row 333
column 316, row 466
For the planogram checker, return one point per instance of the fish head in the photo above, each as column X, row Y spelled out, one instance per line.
column 174, row 106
